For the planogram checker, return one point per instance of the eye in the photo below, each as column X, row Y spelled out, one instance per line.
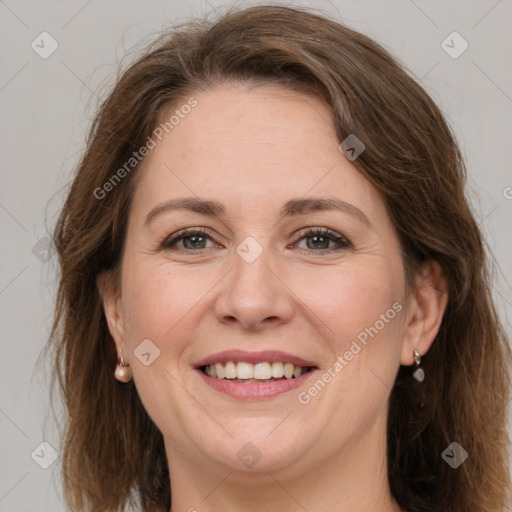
column 193, row 238
column 321, row 238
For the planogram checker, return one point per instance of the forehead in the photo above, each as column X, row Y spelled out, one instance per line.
column 253, row 149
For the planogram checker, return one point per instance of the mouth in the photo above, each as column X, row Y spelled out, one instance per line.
column 254, row 375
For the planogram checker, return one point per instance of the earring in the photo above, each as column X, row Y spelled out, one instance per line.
column 123, row 372
column 418, row 374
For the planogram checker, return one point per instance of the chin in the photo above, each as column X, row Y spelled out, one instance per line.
column 259, row 446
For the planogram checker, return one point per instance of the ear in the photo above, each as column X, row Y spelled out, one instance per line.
column 111, row 299
column 425, row 311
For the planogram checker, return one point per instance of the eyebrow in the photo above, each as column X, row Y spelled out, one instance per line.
column 292, row 208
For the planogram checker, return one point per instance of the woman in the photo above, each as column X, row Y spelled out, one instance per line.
column 273, row 293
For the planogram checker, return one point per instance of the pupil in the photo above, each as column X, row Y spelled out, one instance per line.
column 190, row 238
column 316, row 237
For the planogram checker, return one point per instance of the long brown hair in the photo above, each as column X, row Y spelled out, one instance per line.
column 112, row 452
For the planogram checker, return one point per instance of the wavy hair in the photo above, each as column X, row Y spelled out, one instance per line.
column 112, row 453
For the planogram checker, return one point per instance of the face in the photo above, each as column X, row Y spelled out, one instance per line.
column 269, row 276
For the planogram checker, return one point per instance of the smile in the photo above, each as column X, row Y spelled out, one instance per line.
column 254, row 375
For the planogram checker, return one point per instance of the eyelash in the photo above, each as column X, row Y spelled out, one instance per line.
column 171, row 240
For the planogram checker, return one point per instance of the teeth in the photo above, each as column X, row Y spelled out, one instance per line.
column 230, row 370
column 220, row 370
column 277, row 370
column 263, row 371
column 250, row 372
column 244, row 370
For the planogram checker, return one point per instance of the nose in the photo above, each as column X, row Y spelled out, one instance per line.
column 253, row 295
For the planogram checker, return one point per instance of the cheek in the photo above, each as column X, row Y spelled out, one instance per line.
column 156, row 301
column 347, row 299
column 361, row 307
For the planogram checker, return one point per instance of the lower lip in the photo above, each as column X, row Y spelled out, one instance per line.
column 254, row 390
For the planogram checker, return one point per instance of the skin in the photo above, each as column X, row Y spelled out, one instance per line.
column 254, row 148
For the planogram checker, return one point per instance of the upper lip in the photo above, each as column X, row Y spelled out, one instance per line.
column 253, row 357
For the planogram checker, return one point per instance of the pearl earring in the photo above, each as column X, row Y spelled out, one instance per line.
column 418, row 374
column 123, row 372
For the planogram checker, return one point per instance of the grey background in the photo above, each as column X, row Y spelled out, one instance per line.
column 47, row 104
